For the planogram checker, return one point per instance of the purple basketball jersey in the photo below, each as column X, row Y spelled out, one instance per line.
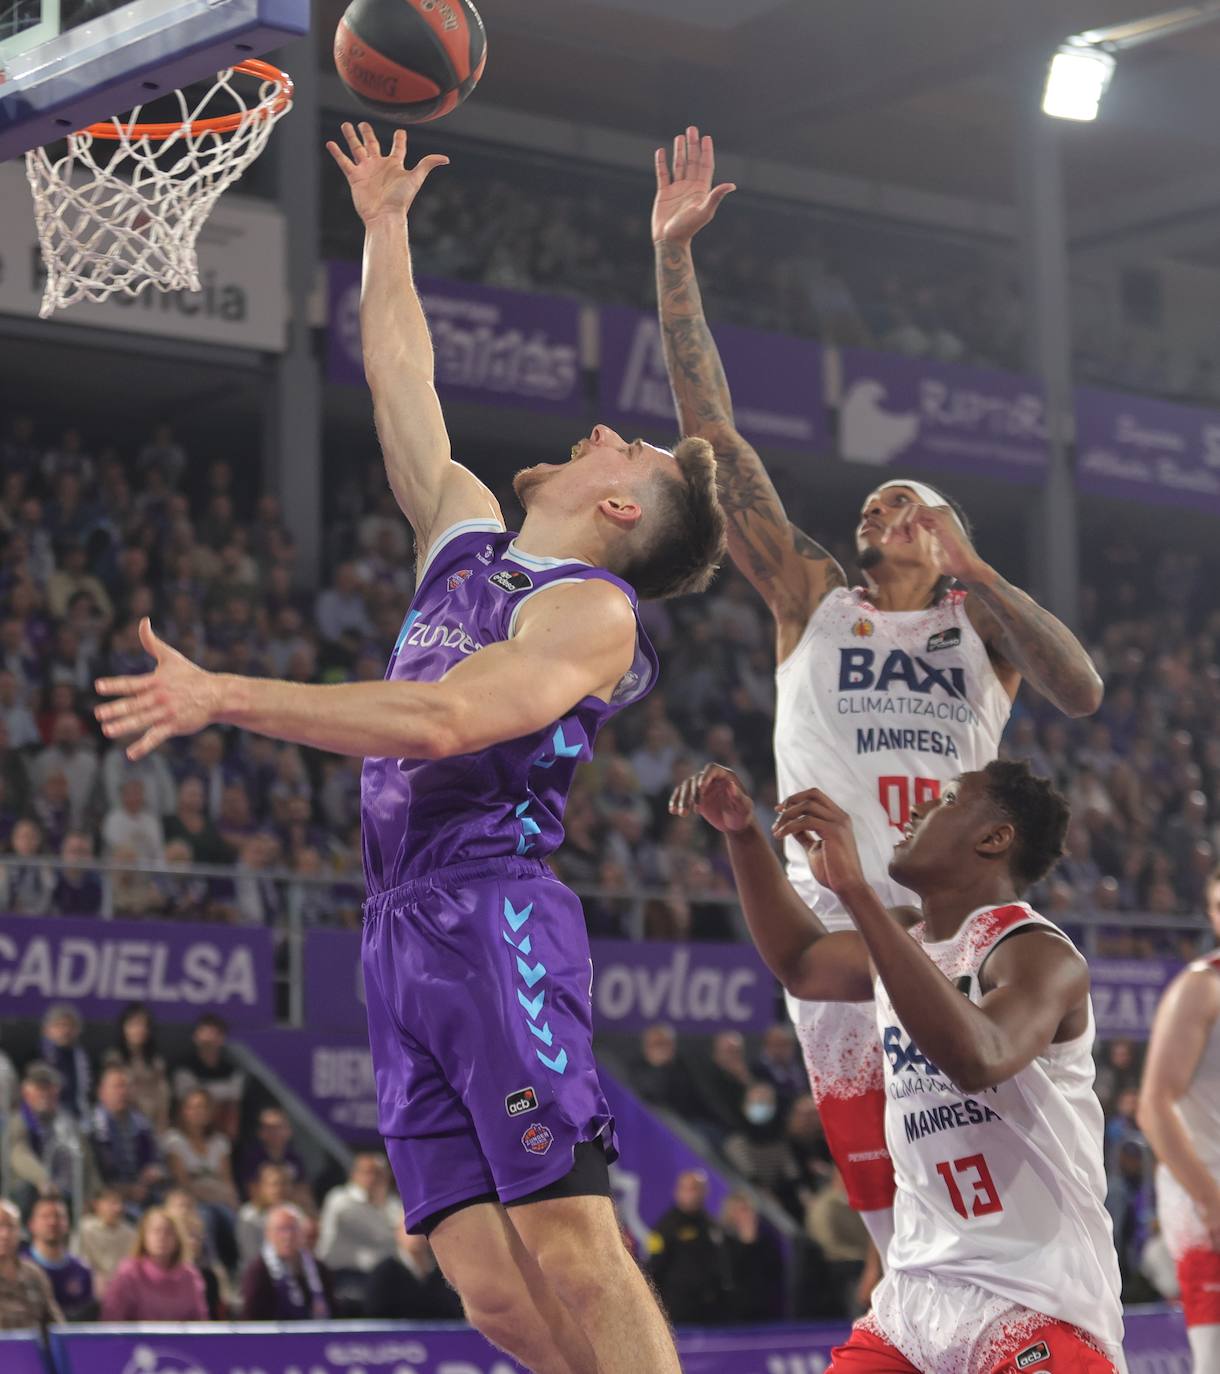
column 421, row 815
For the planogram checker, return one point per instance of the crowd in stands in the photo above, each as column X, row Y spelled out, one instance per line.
column 508, row 220
column 132, row 1193
column 142, row 1154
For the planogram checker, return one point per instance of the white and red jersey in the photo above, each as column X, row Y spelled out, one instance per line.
column 879, row 709
column 1003, row 1189
column 1199, row 1109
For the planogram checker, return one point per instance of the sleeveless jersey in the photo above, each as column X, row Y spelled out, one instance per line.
column 1199, row 1108
column 879, row 709
column 1003, row 1188
column 419, row 815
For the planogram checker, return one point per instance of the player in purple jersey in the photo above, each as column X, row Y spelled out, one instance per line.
column 476, row 964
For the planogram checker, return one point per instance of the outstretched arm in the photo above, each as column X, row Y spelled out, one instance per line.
column 1184, row 1020
column 811, row 962
column 572, row 641
column 432, row 490
column 1023, row 639
column 1034, row 982
column 791, row 571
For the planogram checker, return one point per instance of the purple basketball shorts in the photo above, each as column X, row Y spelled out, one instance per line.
column 478, row 985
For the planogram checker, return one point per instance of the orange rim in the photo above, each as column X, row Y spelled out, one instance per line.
column 221, row 124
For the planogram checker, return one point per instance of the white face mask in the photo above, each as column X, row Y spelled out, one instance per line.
column 759, row 1113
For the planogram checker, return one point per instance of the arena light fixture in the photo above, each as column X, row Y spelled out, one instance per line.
column 1080, row 72
column 1076, row 80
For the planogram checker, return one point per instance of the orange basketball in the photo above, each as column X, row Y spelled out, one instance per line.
column 411, row 60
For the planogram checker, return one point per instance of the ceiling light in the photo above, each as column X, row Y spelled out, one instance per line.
column 1076, row 81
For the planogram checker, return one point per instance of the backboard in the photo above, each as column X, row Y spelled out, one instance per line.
column 67, row 63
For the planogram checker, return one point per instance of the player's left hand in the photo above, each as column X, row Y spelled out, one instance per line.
column 811, row 817
column 938, row 528
column 176, row 698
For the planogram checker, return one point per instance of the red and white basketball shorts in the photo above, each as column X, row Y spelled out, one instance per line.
column 1189, row 1242
column 846, row 1074
column 1053, row 1348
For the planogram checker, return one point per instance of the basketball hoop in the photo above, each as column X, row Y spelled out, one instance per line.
column 132, row 220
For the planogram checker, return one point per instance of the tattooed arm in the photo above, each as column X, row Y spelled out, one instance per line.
column 1023, row 639
column 1026, row 641
column 791, row 571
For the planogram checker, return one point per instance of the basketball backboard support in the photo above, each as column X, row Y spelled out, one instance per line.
column 67, row 63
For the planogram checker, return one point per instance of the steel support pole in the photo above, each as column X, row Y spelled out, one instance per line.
column 293, row 427
column 1042, row 243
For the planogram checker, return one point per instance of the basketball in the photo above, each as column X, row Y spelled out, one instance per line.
column 412, row 60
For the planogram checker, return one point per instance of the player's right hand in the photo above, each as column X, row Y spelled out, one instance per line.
column 717, row 795
column 381, row 183
column 686, row 200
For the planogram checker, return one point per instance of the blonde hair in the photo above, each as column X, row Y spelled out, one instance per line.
column 140, row 1249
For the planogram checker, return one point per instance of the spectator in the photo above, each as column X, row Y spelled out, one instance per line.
column 152, row 771
column 721, row 1082
column 198, row 1157
column 755, row 1265
column 341, row 614
column 286, row 1283
column 210, row 1065
column 688, row 1263
column 71, row 1280
column 137, row 1052
column 78, row 888
column 1118, row 1071
column 133, row 825
column 130, row 893
column 758, row 1149
column 409, row 1286
column 359, row 1225
column 841, row 1237
column 26, row 1299
column 72, row 578
column 780, row 1065
column 190, row 822
column 70, row 754
column 44, row 1145
column 270, row 1190
column 184, row 1211
column 273, row 1145
column 26, row 888
column 105, row 1237
column 1129, row 1200
column 15, row 714
column 659, row 1075
column 156, row 1284
column 60, row 1047
column 124, row 1143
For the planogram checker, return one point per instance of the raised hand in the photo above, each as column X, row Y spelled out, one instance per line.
column 176, row 698
column 946, row 542
column 826, row 832
column 686, row 199
column 381, row 184
column 717, row 796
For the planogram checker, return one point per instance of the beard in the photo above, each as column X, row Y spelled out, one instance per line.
column 869, row 557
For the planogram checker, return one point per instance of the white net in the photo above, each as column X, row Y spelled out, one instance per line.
column 123, row 211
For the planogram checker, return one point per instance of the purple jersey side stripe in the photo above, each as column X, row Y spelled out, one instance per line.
column 421, row 815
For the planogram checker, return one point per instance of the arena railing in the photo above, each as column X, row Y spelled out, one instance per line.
column 291, row 904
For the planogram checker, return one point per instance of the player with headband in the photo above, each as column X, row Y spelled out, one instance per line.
column 884, row 691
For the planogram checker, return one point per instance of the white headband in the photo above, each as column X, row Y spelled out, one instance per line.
column 926, row 495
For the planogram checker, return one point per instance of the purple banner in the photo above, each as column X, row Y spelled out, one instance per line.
column 776, row 381
column 695, row 987
column 1147, row 450
column 180, row 970
column 907, row 413
column 331, row 1073
column 1126, row 993
column 21, row 1353
column 493, row 347
column 1155, row 1344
